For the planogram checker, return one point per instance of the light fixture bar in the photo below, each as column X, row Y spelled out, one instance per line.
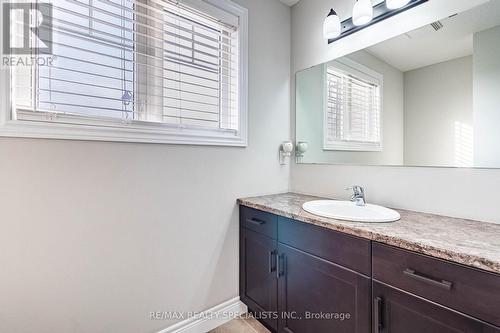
column 380, row 13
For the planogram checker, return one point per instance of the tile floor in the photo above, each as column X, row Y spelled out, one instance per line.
column 243, row 324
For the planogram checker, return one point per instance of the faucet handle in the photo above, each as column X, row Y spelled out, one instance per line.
column 356, row 189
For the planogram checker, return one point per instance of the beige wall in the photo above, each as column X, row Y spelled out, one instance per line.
column 487, row 97
column 455, row 192
column 95, row 235
column 438, row 114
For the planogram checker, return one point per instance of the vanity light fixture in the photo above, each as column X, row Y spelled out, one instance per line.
column 331, row 26
column 364, row 14
column 395, row 4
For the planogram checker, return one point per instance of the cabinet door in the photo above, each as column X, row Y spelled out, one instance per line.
column 258, row 281
column 316, row 296
column 395, row 311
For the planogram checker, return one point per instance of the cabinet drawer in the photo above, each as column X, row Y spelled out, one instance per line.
column 400, row 312
column 467, row 290
column 259, row 221
column 345, row 250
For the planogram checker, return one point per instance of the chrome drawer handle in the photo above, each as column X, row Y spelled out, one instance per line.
column 272, row 264
column 280, row 271
column 422, row 278
column 256, row 221
column 377, row 315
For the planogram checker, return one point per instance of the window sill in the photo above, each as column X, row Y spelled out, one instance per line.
column 64, row 131
column 353, row 146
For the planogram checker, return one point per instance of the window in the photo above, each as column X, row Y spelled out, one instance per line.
column 138, row 70
column 352, row 119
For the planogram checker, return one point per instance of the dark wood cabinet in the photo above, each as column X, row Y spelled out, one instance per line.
column 317, row 296
column 300, row 278
column 395, row 311
column 258, row 280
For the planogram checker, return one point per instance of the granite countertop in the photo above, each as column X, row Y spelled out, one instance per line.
column 466, row 242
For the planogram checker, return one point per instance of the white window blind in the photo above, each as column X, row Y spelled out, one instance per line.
column 138, row 64
column 353, row 110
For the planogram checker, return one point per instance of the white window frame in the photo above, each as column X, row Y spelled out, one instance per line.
column 97, row 129
column 349, row 66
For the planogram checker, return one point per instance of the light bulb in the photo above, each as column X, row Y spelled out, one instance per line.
column 331, row 26
column 362, row 13
column 395, row 4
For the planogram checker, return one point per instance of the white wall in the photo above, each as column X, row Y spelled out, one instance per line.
column 95, row 235
column 438, row 114
column 455, row 192
column 487, row 97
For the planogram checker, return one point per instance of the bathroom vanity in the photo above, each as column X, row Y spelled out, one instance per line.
column 424, row 273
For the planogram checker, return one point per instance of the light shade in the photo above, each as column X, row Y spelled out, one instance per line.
column 362, row 13
column 395, row 4
column 331, row 26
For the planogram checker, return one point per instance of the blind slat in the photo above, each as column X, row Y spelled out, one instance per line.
column 122, row 28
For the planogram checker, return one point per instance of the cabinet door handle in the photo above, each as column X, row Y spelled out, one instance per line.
column 281, row 265
column 426, row 279
column 272, row 261
column 256, row 221
column 377, row 315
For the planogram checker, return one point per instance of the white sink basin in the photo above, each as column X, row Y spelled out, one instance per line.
column 348, row 211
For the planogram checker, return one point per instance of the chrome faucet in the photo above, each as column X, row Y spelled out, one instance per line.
column 358, row 196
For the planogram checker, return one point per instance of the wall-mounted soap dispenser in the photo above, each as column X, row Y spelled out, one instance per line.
column 286, row 149
column 301, row 148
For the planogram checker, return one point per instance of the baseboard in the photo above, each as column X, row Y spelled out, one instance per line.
column 210, row 319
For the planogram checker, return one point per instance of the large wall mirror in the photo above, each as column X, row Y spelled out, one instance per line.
column 429, row 97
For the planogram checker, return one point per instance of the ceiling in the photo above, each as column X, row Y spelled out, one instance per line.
column 290, row 2
column 425, row 46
